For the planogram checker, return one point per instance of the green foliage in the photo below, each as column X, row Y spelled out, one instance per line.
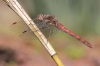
column 81, row 16
column 75, row 52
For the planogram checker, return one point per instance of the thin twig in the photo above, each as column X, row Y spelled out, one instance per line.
column 15, row 6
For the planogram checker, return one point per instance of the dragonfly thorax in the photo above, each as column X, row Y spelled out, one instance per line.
column 48, row 19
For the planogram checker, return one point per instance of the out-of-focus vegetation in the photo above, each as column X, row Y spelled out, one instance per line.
column 80, row 16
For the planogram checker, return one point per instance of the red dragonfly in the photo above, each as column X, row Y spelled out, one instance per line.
column 47, row 24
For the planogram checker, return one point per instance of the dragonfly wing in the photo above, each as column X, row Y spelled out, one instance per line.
column 27, row 34
column 21, row 28
column 47, row 29
column 18, row 27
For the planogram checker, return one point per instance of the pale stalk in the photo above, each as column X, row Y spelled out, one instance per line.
column 17, row 8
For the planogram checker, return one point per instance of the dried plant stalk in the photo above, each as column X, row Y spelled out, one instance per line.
column 16, row 7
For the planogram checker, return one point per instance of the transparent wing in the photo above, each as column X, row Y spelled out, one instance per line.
column 47, row 29
column 25, row 32
column 21, row 28
column 18, row 27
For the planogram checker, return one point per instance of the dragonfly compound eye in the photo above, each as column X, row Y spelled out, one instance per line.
column 40, row 17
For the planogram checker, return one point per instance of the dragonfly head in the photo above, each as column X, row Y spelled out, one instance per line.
column 40, row 17
column 48, row 19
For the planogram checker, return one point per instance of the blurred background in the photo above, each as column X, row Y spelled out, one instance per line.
column 80, row 16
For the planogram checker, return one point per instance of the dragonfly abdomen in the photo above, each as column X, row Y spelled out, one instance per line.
column 62, row 28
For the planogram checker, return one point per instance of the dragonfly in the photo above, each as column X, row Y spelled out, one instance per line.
column 48, row 24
